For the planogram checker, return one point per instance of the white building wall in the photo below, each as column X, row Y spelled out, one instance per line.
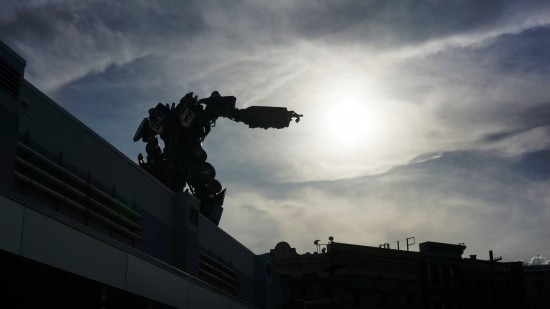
column 36, row 236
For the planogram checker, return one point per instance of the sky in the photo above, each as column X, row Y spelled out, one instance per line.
column 425, row 119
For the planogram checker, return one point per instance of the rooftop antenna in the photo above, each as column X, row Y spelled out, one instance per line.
column 410, row 243
column 323, row 247
column 316, row 243
column 493, row 259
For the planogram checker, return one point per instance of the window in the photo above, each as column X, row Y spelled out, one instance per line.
column 311, row 286
column 285, row 287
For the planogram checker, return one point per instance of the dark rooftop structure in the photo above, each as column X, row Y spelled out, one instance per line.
column 354, row 276
column 442, row 249
column 537, row 285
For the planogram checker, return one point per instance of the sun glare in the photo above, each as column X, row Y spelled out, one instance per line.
column 355, row 117
column 346, row 121
column 352, row 122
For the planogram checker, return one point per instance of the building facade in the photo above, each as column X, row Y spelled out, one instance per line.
column 353, row 276
column 537, row 285
column 81, row 221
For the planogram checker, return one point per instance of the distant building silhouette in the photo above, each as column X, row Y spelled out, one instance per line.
column 353, row 276
column 537, row 285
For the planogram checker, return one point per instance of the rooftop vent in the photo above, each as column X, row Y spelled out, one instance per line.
column 9, row 79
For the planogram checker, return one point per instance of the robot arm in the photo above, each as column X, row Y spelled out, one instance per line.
column 265, row 117
column 254, row 116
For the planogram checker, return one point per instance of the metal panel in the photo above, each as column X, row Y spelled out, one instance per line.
column 56, row 244
column 236, row 305
column 10, row 78
column 200, row 297
column 9, row 123
column 48, row 125
column 11, row 221
column 219, row 243
column 151, row 281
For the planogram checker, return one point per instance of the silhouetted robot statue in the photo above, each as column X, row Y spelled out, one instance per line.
column 183, row 128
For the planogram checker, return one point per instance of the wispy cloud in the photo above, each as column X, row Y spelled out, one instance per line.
column 421, row 119
column 535, row 261
column 474, row 198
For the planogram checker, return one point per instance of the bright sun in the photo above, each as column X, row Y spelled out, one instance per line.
column 354, row 123
column 346, row 121
column 355, row 115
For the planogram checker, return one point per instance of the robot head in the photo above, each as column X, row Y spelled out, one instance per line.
column 186, row 117
column 185, row 110
column 157, row 116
